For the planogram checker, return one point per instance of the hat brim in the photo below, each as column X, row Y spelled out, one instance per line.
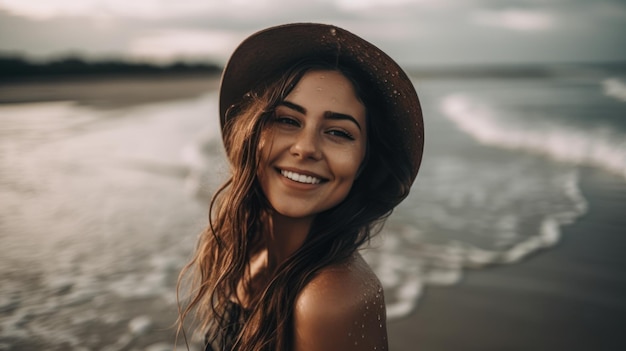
column 268, row 51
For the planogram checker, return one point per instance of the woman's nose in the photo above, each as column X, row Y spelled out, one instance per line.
column 307, row 145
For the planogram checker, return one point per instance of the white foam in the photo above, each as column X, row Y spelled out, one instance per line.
column 204, row 156
column 405, row 277
column 452, row 222
column 614, row 88
column 140, row 325
column 600, row 146
column 406, row 298
column 108, row 224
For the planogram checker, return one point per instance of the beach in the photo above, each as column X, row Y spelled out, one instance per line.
column 112, row 91
column 105, row 185
column 99, row 210
column 571, row 297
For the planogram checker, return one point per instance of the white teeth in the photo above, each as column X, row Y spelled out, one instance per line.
column 300, row 178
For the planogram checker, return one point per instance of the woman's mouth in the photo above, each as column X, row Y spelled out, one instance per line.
column 300, row 178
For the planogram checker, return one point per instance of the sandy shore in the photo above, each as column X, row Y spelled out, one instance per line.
column 571, row 297
column 110, row 91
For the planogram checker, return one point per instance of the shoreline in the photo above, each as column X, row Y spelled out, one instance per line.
column 570, row 297
column 108, row 91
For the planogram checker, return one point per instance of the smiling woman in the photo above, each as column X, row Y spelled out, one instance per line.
column 315, row 146
column 324, row 136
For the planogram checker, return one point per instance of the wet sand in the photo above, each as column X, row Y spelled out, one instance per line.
column 110, row 91
column 570, row 297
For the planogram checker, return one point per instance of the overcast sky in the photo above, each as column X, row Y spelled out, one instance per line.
column 414, row 32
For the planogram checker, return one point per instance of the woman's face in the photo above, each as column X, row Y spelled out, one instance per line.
column 314, row 147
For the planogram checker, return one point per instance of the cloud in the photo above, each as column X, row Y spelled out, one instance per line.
column 514, row 19
column 166, row 45
column 414, row 32
column 348, row 5
column 149, row 9
column 41, row 9
column 158, row 9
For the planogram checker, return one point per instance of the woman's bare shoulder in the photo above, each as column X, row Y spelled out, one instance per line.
column 343, row 306
column 343, row 283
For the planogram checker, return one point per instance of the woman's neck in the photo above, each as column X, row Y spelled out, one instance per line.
column 285, row 236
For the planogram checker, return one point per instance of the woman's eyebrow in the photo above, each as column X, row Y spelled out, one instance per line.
column 293, row 106
column 341, row 116
column 327, row 114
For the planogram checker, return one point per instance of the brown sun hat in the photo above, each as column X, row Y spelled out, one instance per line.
column 271, row 50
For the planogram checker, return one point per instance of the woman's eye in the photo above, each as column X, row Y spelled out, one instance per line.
column 341, row 133
column 287, row 121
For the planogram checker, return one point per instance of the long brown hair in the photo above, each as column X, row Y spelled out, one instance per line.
column 239, row 216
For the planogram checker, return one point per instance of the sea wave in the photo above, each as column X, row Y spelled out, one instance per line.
column 599, row 146
column 614, row 88
column 407, row 260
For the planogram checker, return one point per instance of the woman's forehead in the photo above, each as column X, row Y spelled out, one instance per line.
column 327, row 91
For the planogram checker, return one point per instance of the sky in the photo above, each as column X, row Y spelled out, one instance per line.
column 414, row 32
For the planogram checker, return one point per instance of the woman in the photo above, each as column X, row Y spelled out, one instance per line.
column 324, row 136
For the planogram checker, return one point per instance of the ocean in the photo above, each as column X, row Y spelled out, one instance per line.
column 500, row 175
column 101, row 206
